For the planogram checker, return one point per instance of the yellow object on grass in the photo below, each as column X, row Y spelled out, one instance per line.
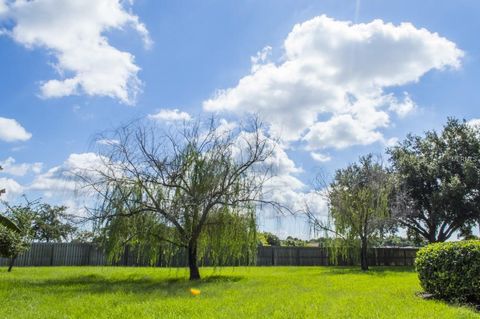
column 194, row 292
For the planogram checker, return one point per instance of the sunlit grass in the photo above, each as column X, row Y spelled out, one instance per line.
column 268, row 292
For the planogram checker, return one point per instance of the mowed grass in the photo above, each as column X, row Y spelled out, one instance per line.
column 243, row 292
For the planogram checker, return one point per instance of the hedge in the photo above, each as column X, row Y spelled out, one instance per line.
column 451, row 270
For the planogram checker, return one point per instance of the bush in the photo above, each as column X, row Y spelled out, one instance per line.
column 11, row 243
column 451, row 271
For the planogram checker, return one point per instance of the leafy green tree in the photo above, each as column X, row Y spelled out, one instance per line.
column 395, row 241
column 31, row 221
column 85, row 236
column 42, row 222
column 437, row 189
column 193, row 188
column 12, row 243
column 293, row 242
column 51, row 223
column 269, row 239
column 358, row 205
column 12, row 239
column 466, row 233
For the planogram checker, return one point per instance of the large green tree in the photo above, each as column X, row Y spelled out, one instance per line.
column 437, row 188
column 193, row 187
column 42, row 222
column 52, row 223
column 358, row 205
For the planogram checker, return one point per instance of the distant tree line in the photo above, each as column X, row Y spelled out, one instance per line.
column 269, row 239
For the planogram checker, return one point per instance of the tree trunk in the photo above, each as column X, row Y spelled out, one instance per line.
column 192, row 261
column 432, row 237
column 10, row 265
column 363, row 254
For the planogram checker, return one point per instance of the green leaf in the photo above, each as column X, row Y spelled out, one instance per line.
column 9, row 224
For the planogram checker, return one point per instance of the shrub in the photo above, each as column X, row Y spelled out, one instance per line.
column 11, row 243
column 451, row 271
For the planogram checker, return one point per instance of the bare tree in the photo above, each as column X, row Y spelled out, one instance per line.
column 181, row 178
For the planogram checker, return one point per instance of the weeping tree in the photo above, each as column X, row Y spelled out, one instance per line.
column 191, row 187
column 358, row 207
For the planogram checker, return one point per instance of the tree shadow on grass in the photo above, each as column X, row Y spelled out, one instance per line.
column 377, row 271
column 94, row 283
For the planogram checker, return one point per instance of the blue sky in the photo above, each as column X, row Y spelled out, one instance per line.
column 399, row 78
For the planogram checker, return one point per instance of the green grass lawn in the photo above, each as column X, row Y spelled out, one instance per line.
column 244, row 292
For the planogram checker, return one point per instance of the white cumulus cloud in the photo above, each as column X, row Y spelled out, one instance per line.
column 340, row 132
column 10, row 166
column 333, row 75
column 319, row 157
column 62, row 178
column 3, row 7
column 402, row 108
column 12, row 188
column 170, row 115
column 474, row 123
column 12, row 131
column 74, row 32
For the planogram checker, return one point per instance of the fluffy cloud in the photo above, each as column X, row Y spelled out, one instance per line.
column 320, row 157
column 12, row 187
column 76, row 207
column 11, row 167
column 284, row 186
column 3, row 7
column 474, row 123
column 402, row 108
column 62, row 178
column 170, row 115
column 337, row 71
column 74, row 33
column 12, row 131
column 340, row 132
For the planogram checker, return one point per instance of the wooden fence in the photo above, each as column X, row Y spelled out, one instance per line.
column 73, row 254
column 314, row 256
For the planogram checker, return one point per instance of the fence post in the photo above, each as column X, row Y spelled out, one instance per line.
column 51, row 254
column 89, row 254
